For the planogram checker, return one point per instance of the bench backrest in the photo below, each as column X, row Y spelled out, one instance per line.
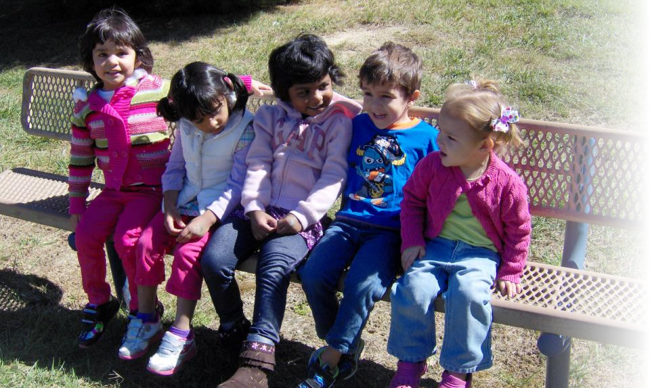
column 576, row 173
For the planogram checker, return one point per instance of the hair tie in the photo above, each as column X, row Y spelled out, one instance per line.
column 473, row 84
column 231, row 96
column 502, row 124
column 228, row 82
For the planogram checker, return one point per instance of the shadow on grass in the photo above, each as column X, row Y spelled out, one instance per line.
column 46, row 33
column 39, row 332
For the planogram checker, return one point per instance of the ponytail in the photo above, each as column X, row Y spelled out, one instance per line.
column 238, row 96
column 166, row 109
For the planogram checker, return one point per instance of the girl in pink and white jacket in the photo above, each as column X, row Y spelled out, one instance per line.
column 465, row 226
column 296, row 170
column 201, row 186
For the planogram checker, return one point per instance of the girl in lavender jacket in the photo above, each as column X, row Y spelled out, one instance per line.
column 465, row 222
column 296, row 170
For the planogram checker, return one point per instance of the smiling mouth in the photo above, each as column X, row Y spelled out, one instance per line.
column 378, row 116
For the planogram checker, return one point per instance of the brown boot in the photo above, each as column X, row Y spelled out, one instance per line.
column 256, row 360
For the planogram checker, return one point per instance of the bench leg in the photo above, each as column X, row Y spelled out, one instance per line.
column 575, row 245
column 557, row 368
column 119, row 276
column 556, row 347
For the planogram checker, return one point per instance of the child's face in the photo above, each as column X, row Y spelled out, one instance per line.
column 216, row 122
column 312, row 98
column 113, row 64
column 387, row 104
column 460, row 145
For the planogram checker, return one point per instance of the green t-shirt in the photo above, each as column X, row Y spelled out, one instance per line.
column 461, row 225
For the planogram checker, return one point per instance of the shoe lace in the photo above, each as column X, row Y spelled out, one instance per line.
column 89, row 317
column 134, row 329
column 169, row 346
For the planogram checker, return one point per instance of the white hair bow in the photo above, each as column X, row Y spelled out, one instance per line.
column 508, row 116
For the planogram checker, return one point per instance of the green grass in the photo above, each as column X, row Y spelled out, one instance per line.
column 574, row 61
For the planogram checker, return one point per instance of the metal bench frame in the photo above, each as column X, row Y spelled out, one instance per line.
column 583, row 175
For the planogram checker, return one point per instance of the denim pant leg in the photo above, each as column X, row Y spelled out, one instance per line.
column 466, row 346
column 231, row 242
column 370, row 274
column 412, row 336
column 278, row 259
column 322, row 270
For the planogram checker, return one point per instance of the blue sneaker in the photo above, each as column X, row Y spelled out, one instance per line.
column 318, row 374
column 349, row 363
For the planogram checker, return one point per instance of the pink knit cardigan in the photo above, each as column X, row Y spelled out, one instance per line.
column 498, row 199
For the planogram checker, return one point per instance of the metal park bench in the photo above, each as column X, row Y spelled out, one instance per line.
column 583, row 175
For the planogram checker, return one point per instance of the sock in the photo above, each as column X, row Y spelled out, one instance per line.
column 184, row 334
column 148, row 317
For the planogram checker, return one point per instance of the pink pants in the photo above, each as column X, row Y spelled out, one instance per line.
column 124, row 213
column 185, row 280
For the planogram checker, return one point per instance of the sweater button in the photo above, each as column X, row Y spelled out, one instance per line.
column 115, row 154
column 125, row 154
column 111, row 122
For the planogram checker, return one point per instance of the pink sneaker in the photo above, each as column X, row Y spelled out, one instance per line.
column 408, row 374
column 449, row 381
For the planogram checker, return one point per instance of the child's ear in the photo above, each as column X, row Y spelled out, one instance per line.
column 488, row 144
column 413, row 97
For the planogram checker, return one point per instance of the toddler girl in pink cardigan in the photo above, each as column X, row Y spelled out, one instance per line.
column 465, row 222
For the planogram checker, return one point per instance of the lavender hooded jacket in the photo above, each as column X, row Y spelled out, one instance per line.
column 298, row 164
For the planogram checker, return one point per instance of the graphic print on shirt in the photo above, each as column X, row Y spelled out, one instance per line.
column 304, row 137
column 378, row 156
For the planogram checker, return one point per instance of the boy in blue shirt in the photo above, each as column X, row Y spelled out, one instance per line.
column 386, row 145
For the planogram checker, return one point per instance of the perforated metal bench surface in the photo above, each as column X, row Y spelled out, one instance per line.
column 574, row 173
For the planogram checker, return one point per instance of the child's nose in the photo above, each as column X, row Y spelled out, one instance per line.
column 111, row 59
column 317, row 97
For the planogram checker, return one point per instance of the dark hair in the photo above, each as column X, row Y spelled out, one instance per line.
column 393, row 64
column 195, row 92
column 304, row 59
column 116, row 25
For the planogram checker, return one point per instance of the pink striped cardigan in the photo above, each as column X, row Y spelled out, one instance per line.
column 124, row 137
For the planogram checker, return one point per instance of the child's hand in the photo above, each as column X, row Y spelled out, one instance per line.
column 74, row 221
column 197, row 228
column 410, row 254
column 508, row 288
column 289, row 225
column 258, row 88
column 173, row 221
column 262, row 224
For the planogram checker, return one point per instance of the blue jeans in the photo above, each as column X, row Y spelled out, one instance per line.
column 373, row 257
column 279, row 255
column 464, row 275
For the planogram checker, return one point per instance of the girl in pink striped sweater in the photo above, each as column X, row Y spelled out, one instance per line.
column 115, row 127
column 465, row 227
